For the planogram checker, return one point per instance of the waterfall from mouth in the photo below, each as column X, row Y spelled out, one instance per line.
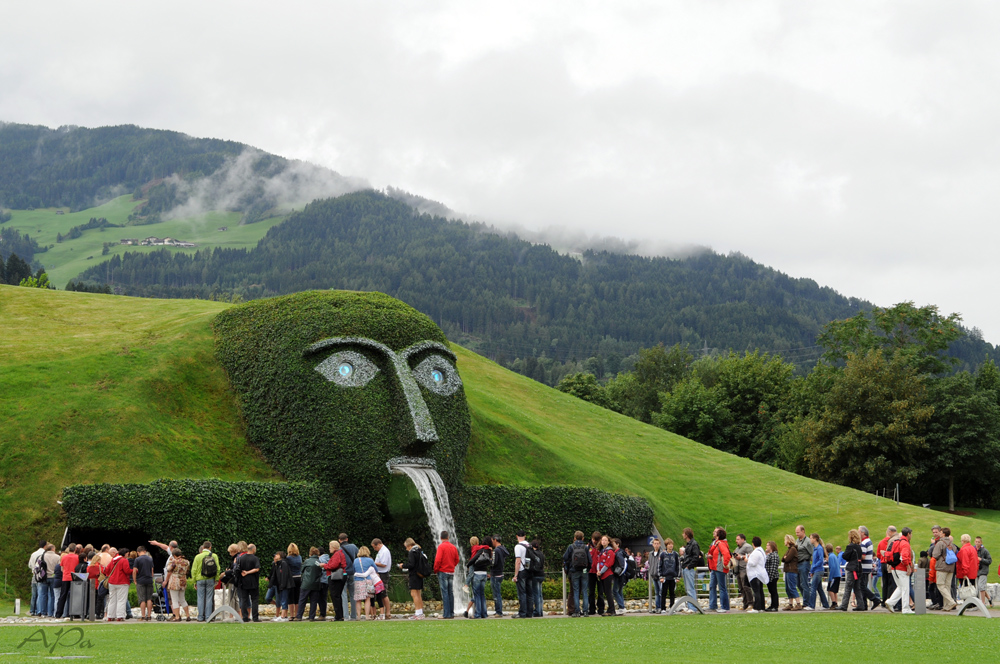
column 434, row 496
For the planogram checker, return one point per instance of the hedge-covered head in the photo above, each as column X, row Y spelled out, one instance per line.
column 333, row 384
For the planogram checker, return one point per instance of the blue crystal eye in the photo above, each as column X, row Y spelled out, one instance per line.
column 437, row 376
column 345, row 369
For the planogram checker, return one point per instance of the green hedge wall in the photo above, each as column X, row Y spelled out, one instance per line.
column 191, row 511
column 550, row 513
column 312, row 429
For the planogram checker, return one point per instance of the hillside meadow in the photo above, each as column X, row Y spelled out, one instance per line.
column 67, row 259
column 104, row 388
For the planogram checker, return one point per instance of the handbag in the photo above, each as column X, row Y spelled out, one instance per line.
column 102, row 584
column 337, row 574
column 967, row 590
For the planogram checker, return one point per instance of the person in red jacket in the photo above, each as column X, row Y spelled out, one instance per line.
column 967, row 567
column 718, row 564
column 901, row 571
column 445, row 560
column 119, row 577
column 605, row 572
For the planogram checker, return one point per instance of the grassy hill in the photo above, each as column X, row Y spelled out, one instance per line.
column 104, row 388
column 68, row 258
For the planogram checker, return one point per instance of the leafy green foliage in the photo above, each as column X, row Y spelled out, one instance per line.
column 5, row 216
column 309, row 428
column 39, row 280
column 870, row 432
column 584, row 386
column 918, row 335
column 191, row 511
column 733, row 403
column 964, row 440
column 550, row 513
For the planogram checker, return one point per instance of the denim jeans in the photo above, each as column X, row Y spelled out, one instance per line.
column 348, row 597
column 617, row 586
column 691, row 587
column 206, row 598
column 791, row 585
column 816, row 590
column 53, row 597
column 479, row 595
column 525, row 596
column 657, row 593
column 804, row 586
column 447, row 583
column 272, row 593
column 536, row 584
column 496, row 585
column 44, row 595
column 717, row 588
column 34, row 597
column 579, row 580
column 56, row 594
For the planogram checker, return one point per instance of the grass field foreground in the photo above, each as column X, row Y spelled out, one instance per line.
column 820, row 638
column 69, row 258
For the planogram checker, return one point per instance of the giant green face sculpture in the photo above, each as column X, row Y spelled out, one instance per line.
column 334, row 384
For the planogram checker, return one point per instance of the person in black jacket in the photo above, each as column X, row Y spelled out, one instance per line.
column 249, row 583
column 500, row 554
column 578, row 573
column 853, row 578
column 689, row 564
column 669, row 569
column 279, row 582
column 415, row 582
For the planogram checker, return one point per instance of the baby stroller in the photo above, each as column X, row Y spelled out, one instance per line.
column 161, row 599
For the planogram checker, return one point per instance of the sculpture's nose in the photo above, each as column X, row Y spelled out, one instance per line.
column 424, row 433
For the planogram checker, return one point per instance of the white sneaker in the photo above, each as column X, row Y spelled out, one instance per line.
column 751, row 610
column 807, row 608
column 721, row 611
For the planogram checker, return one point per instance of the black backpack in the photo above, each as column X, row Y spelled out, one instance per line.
column 209, row 568
column 891, row 557
column 630, row 569
column 423, row 566
column 535, row 562
column 580, row 558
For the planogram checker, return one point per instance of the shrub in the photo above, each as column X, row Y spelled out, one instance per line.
column 550, row 513
column 191, row 511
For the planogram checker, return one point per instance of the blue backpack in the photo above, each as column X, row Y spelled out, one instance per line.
column 950, row 558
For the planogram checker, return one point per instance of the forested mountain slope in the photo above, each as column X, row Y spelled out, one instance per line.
column 507, row 298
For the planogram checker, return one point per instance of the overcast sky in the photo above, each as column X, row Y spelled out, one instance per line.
column 850, row 142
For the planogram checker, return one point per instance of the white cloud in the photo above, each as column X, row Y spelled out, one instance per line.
column 852, row 142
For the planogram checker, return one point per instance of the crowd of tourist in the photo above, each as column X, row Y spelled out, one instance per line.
column 352, row 581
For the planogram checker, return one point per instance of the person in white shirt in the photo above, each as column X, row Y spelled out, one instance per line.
column 757, row 574
column 34, row 585
column 522, row 578
column 383, row 563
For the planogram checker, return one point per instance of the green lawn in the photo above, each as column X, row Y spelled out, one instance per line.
column 98, row 388
column 730, row 638
column 67, row 259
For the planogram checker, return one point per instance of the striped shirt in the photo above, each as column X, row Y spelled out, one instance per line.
column 866, row 555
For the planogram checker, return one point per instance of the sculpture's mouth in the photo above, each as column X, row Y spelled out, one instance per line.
column 396, row 463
